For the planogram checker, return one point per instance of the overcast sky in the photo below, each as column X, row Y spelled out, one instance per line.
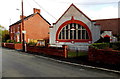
column 53, row 9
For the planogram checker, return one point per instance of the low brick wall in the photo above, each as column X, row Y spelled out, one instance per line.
column 17, row 46
column 104, row 55
column 49, row 50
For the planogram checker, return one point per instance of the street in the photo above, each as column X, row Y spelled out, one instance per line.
column 20, row 64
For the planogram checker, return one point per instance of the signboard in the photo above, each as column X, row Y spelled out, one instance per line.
column 24, row 32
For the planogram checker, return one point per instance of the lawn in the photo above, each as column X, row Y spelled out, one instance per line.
column 72, row 54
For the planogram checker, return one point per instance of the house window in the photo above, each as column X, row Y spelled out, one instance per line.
column 11, row 30
column 18, row 28
column 73, row 31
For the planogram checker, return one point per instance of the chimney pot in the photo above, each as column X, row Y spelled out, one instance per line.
column 36, row 10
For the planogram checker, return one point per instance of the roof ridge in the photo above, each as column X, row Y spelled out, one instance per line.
column 68, row 9
column 106, row 19
column 19, row 21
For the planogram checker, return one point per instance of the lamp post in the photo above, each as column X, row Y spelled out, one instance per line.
column 23, row 31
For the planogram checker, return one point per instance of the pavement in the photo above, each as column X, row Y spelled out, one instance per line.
column 20, row 64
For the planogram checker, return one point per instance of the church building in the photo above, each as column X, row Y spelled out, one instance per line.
column 74, row 28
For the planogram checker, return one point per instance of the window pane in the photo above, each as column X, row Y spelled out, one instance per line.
column 74, row 34
column 79, row 34
column 87, row 37
column 60, row 35
column 70, row 34
column 71, row 26
column 66, row 34
column 79, row 26
column 67, row 27
column 83, row 28
column 75, row 25
column 83, row 34
column 63, row 36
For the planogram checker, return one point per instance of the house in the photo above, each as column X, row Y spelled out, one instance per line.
column 74, row 28
column 110, row 28
column 36, row 27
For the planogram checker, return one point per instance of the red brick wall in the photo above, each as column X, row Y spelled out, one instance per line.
column 17, row 46
column 36, row 28
column 109, row 24
column 104, row 56
column 48, row 50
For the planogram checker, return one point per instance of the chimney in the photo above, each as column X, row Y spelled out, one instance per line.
column 36, row 10
column 21, row 16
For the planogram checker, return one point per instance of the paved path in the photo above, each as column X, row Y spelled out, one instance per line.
column 20, row 64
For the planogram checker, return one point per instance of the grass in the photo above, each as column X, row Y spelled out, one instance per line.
column 72, row 54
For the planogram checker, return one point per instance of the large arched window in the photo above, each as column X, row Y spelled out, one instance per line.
column 73, row 31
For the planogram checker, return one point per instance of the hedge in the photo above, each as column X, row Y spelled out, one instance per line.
column 114, row 46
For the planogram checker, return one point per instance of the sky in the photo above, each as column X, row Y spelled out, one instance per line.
column 51, row 10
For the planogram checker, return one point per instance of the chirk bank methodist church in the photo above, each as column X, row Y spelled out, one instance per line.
column 74, row 28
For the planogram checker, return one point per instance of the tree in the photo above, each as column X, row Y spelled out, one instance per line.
column 4, row 34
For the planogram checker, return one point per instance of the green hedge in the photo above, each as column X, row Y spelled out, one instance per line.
column 114, row 46
column 100, row 45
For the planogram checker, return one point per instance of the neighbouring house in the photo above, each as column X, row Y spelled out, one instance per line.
column 74, row 29
column 35, row 25
column 110, row 28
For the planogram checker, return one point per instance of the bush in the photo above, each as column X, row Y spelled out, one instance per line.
column 10, row 41
column 115, row 45
column 32, row 44
column 17, row 42
column 100, row 45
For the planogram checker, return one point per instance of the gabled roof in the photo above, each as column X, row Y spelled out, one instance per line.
column 68, row 9
column 28, row 18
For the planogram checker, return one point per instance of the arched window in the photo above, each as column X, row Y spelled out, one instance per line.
column 73, row 31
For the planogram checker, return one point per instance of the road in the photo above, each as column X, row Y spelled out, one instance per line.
column 20, row 64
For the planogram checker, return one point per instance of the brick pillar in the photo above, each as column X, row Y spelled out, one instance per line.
column 48, row 45
column 65, row 50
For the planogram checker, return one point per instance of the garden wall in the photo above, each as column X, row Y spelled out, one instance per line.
column 49, row 50
column 17, row 46
column 104, row 55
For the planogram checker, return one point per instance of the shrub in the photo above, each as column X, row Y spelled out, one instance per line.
column 115, row 45
column 32, row 44
column 17, row 42
column 100, row 45
column 10, row 41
